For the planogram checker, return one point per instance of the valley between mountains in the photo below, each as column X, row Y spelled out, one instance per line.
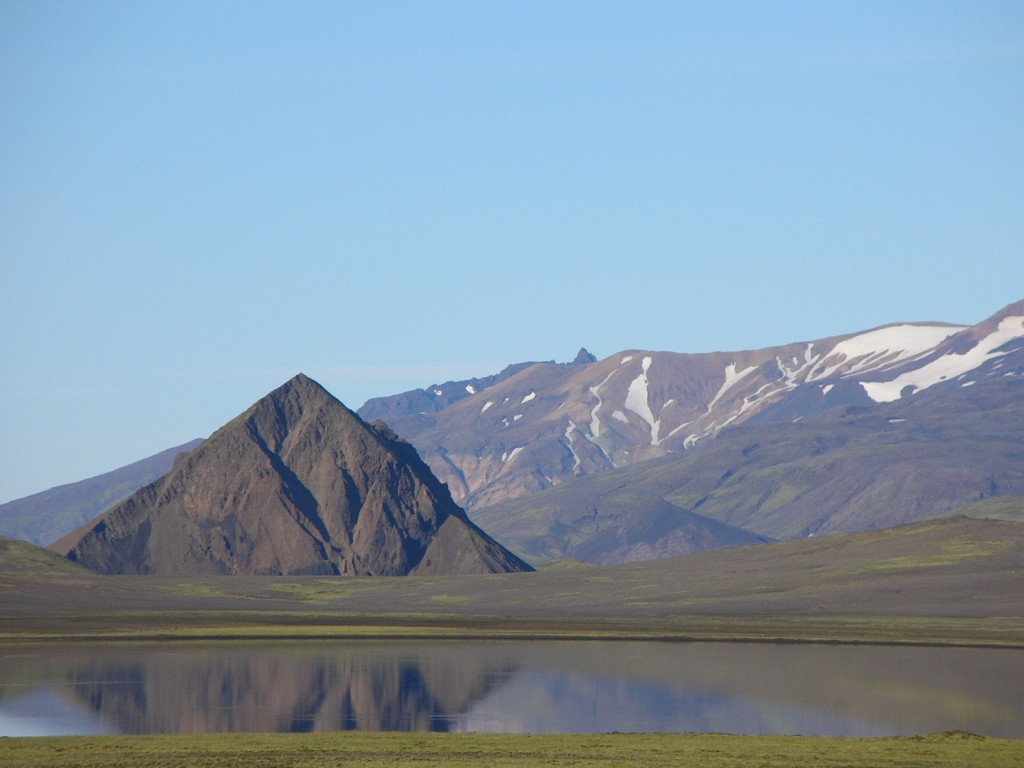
column 908, row 436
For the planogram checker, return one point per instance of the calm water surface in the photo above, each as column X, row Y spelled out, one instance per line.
column 522, row 687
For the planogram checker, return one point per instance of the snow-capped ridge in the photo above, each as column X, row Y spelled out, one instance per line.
column 950, row 365
column 881, row 348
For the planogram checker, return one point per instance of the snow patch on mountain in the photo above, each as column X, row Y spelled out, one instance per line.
column 625, row 360
column 679, row 429
column 757, row 398
column 948, row 366
column 620, row 416
column 471, row 389
column 568, row 438
column 529, row 397
column 731, row 378
column 487, row 405
column 792, row 376
column 637, row 400
column 595, row 422
column 882, row 348
column 876, row 350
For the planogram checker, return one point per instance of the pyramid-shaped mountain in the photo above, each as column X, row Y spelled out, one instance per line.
column 298, row 484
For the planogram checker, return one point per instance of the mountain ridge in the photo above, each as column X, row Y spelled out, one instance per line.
column 547, row 424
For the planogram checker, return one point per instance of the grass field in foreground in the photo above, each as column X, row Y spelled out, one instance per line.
column 424, row 750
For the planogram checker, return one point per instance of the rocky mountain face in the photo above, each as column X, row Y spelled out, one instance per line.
column 46, row 516
column 548, row 424
column 853, row 469
column 298, row 484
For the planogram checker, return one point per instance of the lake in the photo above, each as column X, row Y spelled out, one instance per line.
column 499, row 686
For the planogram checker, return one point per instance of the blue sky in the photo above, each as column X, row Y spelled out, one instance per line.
column 199, row 200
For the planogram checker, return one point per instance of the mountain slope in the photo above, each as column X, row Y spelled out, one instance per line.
column 550, row 423
column 856, row 469
column 995, row 508
column 656, row 528
column 45, row 517
column 297, row 484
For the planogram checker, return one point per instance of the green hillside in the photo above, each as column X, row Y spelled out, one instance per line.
column 24, row 560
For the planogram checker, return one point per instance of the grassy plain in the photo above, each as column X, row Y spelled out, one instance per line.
column 396, row 750
column 943, row 582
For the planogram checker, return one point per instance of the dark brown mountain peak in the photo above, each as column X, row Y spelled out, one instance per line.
column 292, row 405
column 296, row 484
column 584, row 357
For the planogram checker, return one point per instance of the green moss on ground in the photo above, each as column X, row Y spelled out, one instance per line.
column 396, row 750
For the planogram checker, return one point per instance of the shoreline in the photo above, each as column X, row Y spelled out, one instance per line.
column 220, row 627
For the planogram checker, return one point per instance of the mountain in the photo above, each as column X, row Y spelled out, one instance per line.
column 45, row 517
column 550, row 423
column 298, row 484
column 854, row 469
column 435, row 397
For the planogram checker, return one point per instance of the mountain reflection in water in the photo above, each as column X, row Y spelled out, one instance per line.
column 529, row 687
column 249, row 688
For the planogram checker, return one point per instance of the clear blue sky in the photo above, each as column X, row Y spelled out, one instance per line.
column 199, row 200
